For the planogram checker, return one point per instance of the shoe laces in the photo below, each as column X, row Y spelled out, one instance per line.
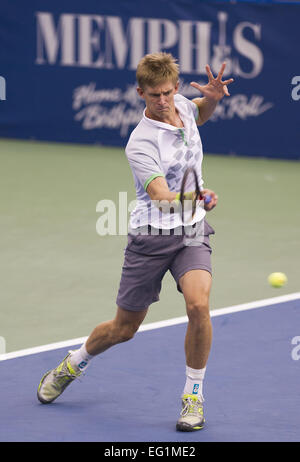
column 192, row 407
column 65, row 372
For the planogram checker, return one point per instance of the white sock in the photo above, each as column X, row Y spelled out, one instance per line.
column 80, row 358
column 194, row 382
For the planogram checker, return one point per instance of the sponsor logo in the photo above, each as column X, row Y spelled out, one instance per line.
column 115, row 43
column 195, row 388
column 111, row 42
column 82, row 364
column 119, row 109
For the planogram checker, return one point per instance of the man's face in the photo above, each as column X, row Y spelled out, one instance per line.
column 159, row 99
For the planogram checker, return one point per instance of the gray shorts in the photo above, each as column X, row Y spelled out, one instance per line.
column 148, row 257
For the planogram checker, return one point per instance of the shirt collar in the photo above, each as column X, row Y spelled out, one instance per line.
column 164, row 125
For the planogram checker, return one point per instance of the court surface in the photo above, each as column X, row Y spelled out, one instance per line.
column 59, row 277
column 131, row 392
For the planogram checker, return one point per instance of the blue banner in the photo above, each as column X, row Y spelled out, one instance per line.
column 68, row 69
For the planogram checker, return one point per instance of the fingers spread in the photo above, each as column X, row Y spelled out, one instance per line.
column 209, row 73
column 225, row 89
column 196, row 85
column 221, row 71
column 227, row 82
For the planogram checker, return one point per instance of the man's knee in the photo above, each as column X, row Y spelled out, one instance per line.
column 127, row 323
column 126, row 333
column 198, row 310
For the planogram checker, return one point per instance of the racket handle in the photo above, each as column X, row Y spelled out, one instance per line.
column 207, row 199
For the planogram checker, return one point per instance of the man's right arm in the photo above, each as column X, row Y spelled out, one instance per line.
column 162, row 197
column 158, row 190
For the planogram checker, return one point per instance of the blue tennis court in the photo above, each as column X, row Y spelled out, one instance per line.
column 131, row 392
column 103, row 108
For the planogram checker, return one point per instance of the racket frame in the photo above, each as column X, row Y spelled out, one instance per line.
column 198, row 194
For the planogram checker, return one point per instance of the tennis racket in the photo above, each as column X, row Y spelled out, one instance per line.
column 190, row 193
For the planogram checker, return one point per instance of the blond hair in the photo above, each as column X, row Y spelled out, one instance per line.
column 156, row 68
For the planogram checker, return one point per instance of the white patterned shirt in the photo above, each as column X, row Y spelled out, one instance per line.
column 159, row 149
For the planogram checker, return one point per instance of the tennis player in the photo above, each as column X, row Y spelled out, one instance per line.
column 160, row 148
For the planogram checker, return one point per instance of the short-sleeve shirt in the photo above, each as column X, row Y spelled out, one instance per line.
column 159, row 149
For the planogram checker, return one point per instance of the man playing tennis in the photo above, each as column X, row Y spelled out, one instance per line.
column 160, row 148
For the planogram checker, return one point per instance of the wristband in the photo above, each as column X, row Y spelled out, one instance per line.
column 189, row 195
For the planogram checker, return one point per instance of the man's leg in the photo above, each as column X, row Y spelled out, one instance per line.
column 195, row 286
column 120, row 329
column 105, row 335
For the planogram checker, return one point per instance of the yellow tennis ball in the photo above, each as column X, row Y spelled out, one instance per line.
column 277, row 279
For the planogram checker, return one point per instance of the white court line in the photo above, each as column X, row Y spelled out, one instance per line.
column 155, row 325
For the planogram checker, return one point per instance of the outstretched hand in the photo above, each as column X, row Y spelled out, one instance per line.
column 216, row 88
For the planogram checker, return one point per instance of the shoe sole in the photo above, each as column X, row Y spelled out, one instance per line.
column 182, row 427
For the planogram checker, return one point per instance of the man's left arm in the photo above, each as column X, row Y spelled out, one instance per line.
column 212, row 93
